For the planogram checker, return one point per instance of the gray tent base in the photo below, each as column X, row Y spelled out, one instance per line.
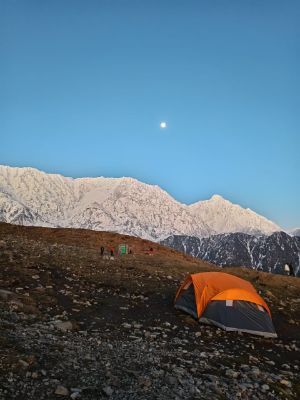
column 231, row 329
column 237, row 315
column 240, row 315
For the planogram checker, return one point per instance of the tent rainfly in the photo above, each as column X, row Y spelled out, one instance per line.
column 224, row 300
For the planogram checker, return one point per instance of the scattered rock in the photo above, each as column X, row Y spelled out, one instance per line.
column 265, row 387
column 286, row 383
column 108, row 391
column 126, row 325
column 63, row 326
column 75, row 395
column 61, row 391
column 231, row 373
column 6, row 294
column 23, row 363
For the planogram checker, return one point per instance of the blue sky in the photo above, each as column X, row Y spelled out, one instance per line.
column 85, row 84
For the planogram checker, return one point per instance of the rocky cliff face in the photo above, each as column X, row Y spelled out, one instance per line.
column 123, row 205
column 266, row 253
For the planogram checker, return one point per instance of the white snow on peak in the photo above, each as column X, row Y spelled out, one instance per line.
column 222, row 216
column 217, row 197
column 294, row 232
column 125, row 205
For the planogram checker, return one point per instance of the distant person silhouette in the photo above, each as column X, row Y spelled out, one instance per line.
column 288, row 268
column 112, row 251
column 292, row 272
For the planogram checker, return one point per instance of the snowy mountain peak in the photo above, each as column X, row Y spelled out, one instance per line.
column 125, row 205
column 294, row 232
column 222, row 216
column 217, row 197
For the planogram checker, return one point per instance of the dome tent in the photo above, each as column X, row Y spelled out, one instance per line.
column 224, row 300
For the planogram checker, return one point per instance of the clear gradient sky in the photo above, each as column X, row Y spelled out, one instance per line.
column 84, row 85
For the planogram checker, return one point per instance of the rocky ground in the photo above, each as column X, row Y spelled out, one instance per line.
column 75, row 325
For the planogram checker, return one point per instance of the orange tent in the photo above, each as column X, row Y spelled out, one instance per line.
column 208, row 296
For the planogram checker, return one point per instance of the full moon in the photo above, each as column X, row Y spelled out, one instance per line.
column 163, row 125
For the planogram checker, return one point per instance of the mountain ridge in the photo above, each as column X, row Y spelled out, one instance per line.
column 124, row 205
column 264, row 253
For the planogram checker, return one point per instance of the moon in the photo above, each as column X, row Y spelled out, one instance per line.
column 163, row 125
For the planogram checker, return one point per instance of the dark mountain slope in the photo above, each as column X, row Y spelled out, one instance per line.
column 264, row 253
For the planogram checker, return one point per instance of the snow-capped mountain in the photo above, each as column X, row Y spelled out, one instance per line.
column 222, row 217
column 267, row 253
column 295, row 232
column 125, row 205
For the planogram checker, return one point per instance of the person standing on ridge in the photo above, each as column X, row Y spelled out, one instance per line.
column 292, row 272
column 102, row 251
column 288, row 268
